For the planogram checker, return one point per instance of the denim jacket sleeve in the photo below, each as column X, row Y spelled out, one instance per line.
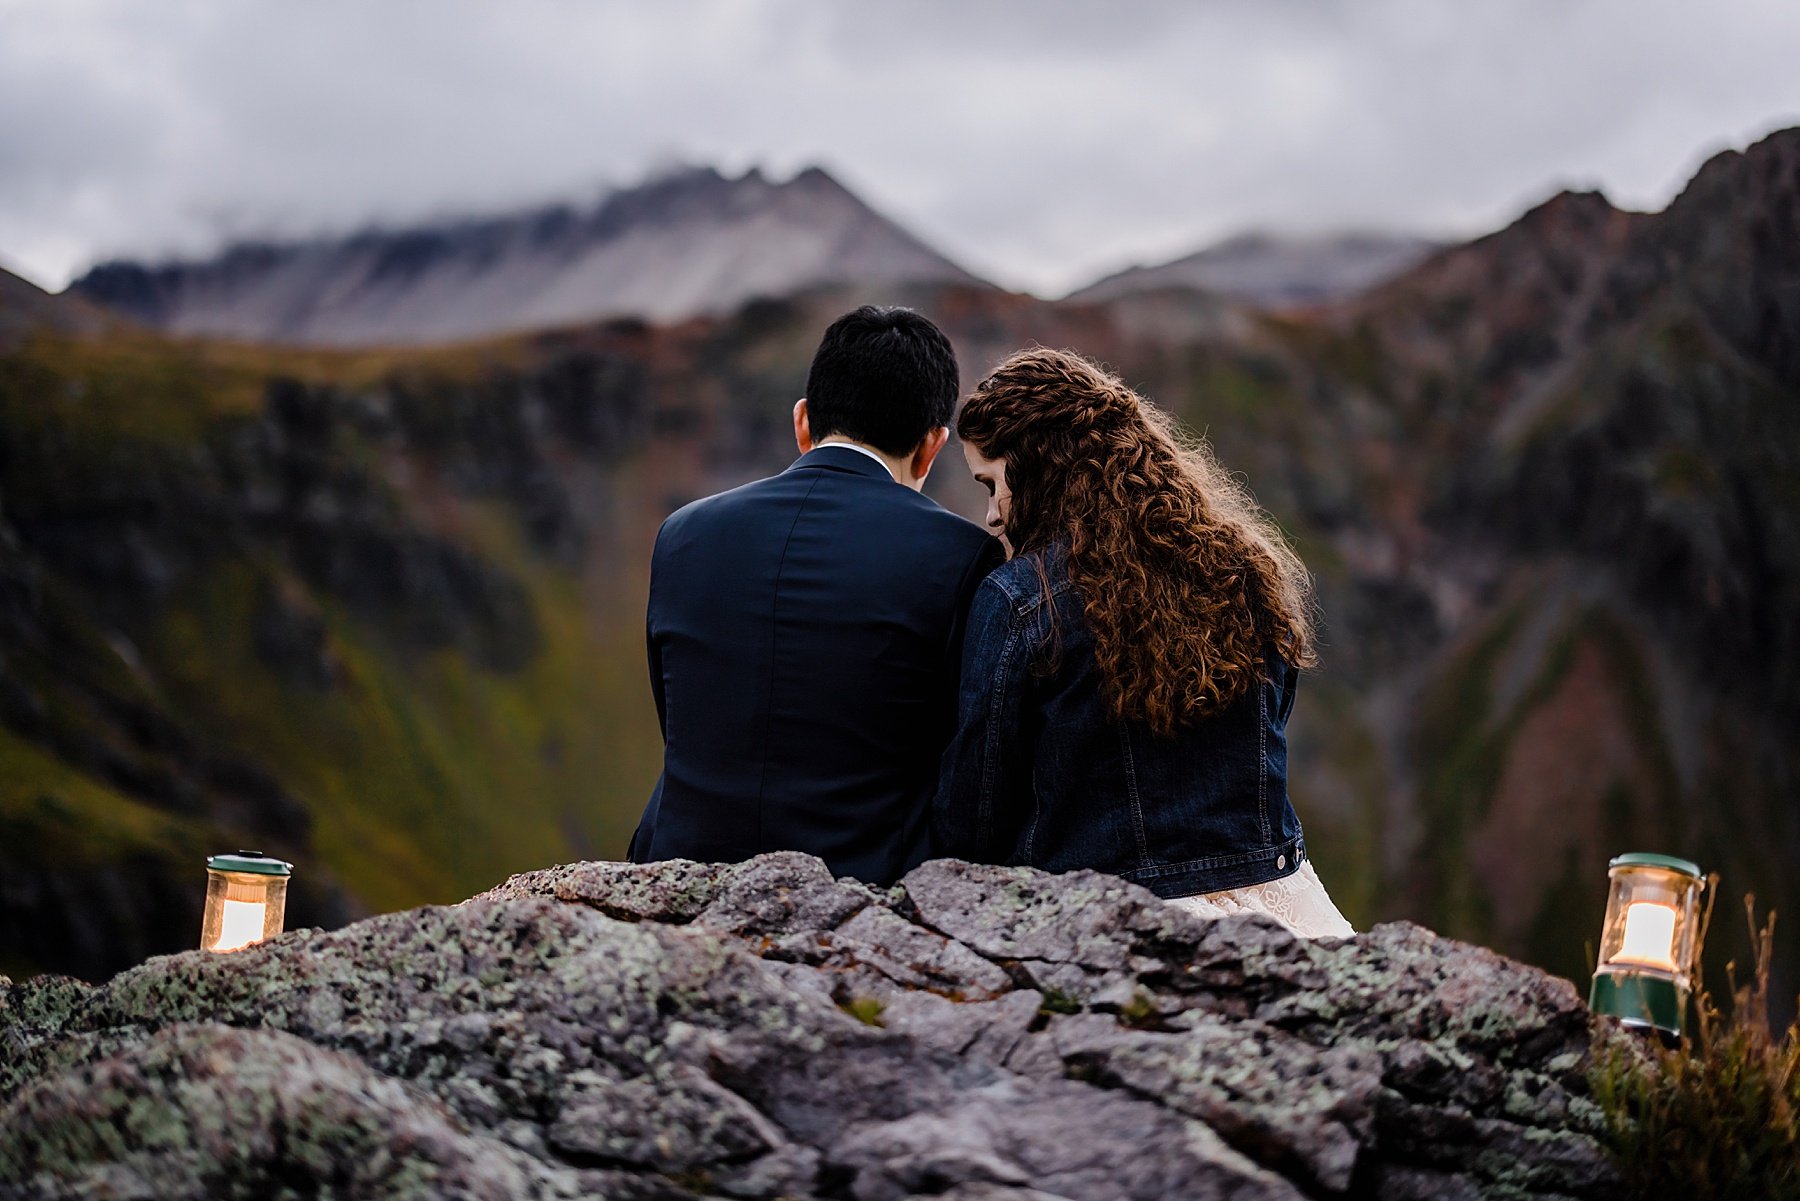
column 984, row 785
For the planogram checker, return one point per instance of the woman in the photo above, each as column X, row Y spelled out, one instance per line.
column 1129, row 672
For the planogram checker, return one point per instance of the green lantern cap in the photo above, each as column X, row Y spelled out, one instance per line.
column 1647, row 859
column 250, row 861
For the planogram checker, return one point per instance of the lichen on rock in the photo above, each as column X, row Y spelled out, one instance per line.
column 764, row 1030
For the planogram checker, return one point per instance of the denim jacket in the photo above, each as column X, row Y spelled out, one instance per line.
column 1040, row 774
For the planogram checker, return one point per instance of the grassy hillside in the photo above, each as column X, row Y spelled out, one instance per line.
column 236, row 616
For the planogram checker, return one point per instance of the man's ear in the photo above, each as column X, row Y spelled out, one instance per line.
column 802, row 427
column 927, row 451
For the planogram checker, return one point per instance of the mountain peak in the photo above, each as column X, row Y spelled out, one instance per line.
column 1274, row 270
column 687, row 240
column 24, row 307
column 1569, row 209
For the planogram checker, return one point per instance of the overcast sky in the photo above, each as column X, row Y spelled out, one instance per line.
column 1038, row 142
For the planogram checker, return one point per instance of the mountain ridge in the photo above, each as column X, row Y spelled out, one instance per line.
column 686, row 243
column 1275, row 271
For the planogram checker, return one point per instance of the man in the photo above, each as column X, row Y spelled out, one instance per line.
column 805, row 630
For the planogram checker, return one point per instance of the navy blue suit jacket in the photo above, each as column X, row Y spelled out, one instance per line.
column 805, row 635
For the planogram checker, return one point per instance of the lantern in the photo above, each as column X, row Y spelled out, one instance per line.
column 1648, row 944
column 246, row 900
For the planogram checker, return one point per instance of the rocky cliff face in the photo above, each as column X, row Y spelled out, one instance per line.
column 762, row 1030
column 690, row 243
column 1582, row 433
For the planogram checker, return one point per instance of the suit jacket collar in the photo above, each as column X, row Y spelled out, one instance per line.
column 842, row 458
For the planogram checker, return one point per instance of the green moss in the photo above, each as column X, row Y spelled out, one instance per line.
column 1141, row 1012
column 866, row 1010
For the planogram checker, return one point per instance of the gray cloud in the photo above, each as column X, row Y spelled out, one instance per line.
column 1039, row 141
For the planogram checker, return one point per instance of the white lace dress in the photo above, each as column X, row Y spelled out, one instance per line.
column 1298, row 901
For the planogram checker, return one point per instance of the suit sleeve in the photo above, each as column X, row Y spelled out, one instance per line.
column 984, row 781
column 640, row 838
column 654, row 654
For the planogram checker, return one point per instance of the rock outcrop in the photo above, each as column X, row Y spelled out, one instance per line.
column 764, row 1030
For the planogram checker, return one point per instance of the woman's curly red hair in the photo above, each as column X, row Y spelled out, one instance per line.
column 1186, row 583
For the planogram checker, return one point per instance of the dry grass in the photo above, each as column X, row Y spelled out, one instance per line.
column 1720, row 1116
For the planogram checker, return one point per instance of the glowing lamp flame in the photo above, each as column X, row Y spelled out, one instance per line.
column 1649, row 939
column 240, row 924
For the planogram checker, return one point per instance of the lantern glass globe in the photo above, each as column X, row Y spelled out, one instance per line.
column 246, row 900
column 1649, row 942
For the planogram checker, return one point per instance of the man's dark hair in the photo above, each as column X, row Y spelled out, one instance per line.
column 885, row 377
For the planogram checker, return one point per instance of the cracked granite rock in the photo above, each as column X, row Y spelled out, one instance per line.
column 762, row 1030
